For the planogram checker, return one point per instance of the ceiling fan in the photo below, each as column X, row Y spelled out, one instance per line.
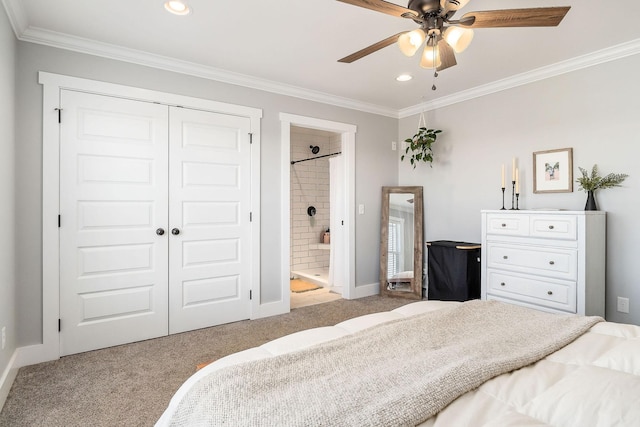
column 443, row 35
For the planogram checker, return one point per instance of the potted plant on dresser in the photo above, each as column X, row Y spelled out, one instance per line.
column 590, row 182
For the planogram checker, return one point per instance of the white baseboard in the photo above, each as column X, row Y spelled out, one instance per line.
column 34, row 354
column 367, row 290
column 271, row 309
column 7, row 378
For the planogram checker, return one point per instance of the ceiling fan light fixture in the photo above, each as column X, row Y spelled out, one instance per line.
column 431, row 57
column 410, row 42
column 177, row 7
column 458, row 38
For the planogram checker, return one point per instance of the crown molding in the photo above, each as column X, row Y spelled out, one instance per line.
column 17, row 16
column 19, row 22
column 105, row 50
column 598, row 57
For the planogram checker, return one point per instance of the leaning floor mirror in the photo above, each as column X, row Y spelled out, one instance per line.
column 401, row 242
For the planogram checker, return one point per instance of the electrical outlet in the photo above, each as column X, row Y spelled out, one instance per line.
column 623, row 305
column 4, row 337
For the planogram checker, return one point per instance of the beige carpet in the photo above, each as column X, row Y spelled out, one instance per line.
column 298, row 286
column 130, row 385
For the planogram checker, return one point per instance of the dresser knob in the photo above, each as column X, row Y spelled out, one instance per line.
column 549, row 293
column 551, row 262
column 551, row 227
column 504, row 225
column 505, row 257
column 503, row 284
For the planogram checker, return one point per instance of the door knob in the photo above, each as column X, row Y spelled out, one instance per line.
column 160, row 231
column 175, row 231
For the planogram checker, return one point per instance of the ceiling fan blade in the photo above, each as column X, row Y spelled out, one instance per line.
column 381, row 6
column 533, row 17
column 447, row 55
column 370, row 49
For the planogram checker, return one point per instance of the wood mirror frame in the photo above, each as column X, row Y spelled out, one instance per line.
column 402, row 283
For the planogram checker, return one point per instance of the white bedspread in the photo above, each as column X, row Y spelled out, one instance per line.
column 418, row 390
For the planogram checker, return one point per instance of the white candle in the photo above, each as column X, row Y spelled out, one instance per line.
column 503, row 175
column 517, row 181
column 513, row 170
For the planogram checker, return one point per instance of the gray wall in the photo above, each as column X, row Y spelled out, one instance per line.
column 596, row 111
column 374, row 166
column 592, row 110
column 7, row 189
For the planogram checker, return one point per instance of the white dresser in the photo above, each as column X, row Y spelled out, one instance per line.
column 547, row 260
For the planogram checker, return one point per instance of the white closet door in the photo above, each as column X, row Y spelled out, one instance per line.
column 209, row 260
column 113, row 180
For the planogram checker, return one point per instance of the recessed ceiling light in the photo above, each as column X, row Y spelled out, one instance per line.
column 177, row 7
column 404, row 77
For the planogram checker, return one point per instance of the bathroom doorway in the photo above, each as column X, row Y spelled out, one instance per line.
column 314, row 154
column 318, row 234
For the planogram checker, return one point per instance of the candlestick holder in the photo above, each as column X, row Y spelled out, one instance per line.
column 513, row 193
column 517, row 197
column 503, row 208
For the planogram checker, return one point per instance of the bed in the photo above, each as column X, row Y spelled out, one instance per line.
column 594, row 380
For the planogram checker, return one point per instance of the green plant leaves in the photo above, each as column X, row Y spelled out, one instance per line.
column 420, row 146
column 593, row 181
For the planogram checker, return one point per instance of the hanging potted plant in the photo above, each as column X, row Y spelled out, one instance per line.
column 592, row 182
column 420, row 145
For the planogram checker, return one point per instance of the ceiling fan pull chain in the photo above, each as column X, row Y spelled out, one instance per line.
column 435, row 65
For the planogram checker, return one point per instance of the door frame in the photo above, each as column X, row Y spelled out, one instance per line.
column 52, row 86
column 348, row 139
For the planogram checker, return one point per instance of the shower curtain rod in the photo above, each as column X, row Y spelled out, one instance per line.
column 293, row 162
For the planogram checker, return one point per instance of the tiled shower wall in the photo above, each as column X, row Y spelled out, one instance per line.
column 310, row 187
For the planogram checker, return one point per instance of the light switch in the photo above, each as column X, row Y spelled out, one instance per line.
column 394, row 145
column 361, row 209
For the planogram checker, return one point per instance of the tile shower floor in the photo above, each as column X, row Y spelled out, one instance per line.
column 318, row 276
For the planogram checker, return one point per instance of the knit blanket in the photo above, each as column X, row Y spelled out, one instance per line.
column 399, row 373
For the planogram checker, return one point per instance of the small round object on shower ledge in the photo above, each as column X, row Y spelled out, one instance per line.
column 311, row 211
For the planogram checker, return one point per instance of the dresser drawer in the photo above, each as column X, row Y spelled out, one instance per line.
column 555, row 227
column 547, row 293
column 550, row 262
column 508, row 225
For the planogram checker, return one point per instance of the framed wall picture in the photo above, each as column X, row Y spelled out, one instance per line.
column 553, row 171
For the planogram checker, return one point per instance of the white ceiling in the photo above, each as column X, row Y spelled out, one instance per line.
column 292, row 46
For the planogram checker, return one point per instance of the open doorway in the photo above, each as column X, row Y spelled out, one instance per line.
column 304, row 253
column 315, row 207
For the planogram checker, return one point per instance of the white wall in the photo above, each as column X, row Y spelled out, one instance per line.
column 596, row 111
column 374, row 166
column 7, row 199
column 310, row 187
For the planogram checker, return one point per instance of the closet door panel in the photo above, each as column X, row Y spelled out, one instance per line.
column 209, row 187
column 113, row 181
